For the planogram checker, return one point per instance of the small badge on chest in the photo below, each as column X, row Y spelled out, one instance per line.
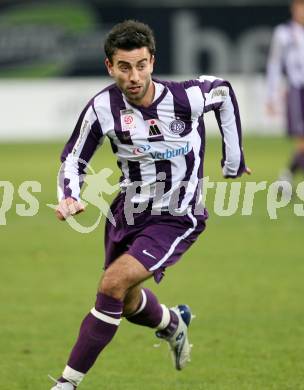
column 127, row 120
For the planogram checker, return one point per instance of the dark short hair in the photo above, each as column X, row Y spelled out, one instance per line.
column 129, row 35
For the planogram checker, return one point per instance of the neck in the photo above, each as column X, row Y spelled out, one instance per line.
column 300, row 22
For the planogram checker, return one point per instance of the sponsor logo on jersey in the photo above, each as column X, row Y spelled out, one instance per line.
column 166, row 155
column 154, row 130
column 141, row 149
column 177, row 126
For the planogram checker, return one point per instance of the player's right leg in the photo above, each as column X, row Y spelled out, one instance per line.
column 101, row 323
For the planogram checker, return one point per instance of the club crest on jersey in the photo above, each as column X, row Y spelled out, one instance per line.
column 177, row 126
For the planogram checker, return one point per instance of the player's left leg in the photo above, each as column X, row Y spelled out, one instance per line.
column 142, row 307
column 159, row 245
column 170, row 324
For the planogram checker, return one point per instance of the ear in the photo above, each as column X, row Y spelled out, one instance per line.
column 109, row 66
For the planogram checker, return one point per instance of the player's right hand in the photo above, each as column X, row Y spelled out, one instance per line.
column 68, row 207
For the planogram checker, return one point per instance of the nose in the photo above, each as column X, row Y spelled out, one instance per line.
column 134, row 75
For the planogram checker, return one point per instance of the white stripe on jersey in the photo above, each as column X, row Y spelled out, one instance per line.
column 102, row 108
column 147, row 171
column 196, row 100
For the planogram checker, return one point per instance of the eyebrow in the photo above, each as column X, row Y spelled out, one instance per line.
column 121, row 62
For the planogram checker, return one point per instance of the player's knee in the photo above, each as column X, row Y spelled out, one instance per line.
column 113, row 286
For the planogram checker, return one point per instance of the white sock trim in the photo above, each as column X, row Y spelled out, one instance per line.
column 165, row 318
column 105, row 318
column 143, row 304
column 73, row 376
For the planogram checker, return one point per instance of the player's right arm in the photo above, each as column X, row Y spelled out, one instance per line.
column 84, row 141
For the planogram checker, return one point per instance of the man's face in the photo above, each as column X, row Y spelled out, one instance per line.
column 297, row 11
column 132, row 71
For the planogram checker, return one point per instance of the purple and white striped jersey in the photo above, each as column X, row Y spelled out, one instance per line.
column 286, row 57
column 162, row 144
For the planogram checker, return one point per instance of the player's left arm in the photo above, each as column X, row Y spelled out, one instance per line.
column 220, row 97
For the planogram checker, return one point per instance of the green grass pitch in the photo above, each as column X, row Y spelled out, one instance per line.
column 243, row 280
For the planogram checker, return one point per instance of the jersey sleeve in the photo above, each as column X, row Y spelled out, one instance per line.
column 220, row 98
column 85, row 139
column 275, row 64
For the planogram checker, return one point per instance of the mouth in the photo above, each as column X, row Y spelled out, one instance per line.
column 135, row 89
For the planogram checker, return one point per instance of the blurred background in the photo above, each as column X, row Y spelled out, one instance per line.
column 51, row 55
column 244, row 276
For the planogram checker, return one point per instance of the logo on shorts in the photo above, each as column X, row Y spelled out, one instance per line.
column 145, row 252
column 177, row 126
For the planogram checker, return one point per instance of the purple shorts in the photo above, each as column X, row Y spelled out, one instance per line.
column 156, row 241
column 295, row 112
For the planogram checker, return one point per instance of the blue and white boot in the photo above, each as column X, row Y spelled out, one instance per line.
column 178, row 341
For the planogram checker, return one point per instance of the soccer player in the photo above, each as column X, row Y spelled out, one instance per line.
column 287, row 58
column 156, row 130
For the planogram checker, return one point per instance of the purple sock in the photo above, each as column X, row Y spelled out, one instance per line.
column 96, row 331
column 149, row 313
column 172, row 326
column 297, row 162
